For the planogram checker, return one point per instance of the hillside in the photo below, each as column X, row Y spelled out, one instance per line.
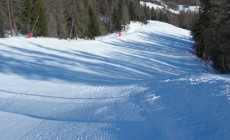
column 182, row 14
column 170, row 6
column 146, row 84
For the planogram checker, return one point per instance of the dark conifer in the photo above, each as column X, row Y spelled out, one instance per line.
column 153, row 14
column 26, row 14
column 38, row 12
column 131, row 11
column 32, row 11
column 116, row 20
column 93, row 27
column 211, row 34
column 146, row 13
column 1, row 26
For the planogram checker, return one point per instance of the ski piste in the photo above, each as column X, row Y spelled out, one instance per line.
column 146, row 84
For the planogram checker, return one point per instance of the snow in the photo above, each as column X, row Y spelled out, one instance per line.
column 189, row 8
column 151, row 5
column 146, row 84
column 165, row 7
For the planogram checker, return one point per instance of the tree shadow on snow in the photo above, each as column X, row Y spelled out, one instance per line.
column 139, row 61
column 160, row 54
column 46, row 65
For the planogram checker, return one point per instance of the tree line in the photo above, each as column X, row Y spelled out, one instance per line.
column 65, row 18
column 212, row 34
column 80, row 18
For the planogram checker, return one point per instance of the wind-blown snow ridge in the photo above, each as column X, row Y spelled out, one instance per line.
column 146, row 84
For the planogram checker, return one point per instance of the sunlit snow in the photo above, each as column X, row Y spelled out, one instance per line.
column 144, row 85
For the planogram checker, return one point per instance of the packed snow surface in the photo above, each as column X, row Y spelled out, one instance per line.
column 144, row 85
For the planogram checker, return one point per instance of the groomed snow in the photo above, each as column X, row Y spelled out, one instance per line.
column 146, row 84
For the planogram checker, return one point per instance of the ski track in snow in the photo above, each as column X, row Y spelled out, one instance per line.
column 144, row 85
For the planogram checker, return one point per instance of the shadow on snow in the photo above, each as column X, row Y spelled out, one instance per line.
column 138, row 61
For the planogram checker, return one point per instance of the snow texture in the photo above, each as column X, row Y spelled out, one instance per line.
column 144, row 85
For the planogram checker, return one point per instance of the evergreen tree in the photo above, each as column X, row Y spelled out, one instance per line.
column 163, row 16
column 38, row 12
column 131, row 11
column 116, row 20
column 146, row 13
column 198, row 33
column 120, row 4
column 211, row 34
column 31, row 11
column 199, row 29
column 93, row 27
column 26, row 14
column 153, row 14
column 1, row 26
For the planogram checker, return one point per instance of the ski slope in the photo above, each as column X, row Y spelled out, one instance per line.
column 145, row 85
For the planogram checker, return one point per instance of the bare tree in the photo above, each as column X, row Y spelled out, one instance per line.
column 9, row 16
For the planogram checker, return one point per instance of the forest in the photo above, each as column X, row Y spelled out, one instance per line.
column 62, row 18
column 212, row 34
column 81, row 18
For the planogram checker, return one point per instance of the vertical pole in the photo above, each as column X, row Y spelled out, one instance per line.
column 35, row 24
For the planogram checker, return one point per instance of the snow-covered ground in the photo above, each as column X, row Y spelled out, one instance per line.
column 144, row 85
column 163, row 6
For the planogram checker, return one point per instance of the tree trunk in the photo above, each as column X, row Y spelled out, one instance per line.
column 9, row 17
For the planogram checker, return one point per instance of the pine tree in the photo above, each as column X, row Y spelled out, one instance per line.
column 116, row 20
column 199, row 30
column 146, row 13
column 198, row 33
column 93, row 27
column 1, row 26
column 131, row 11
column 163, row 16
column 211, row 34
column 41, row 26
column 153, row 14
column 31, row 11
column 26, row 14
